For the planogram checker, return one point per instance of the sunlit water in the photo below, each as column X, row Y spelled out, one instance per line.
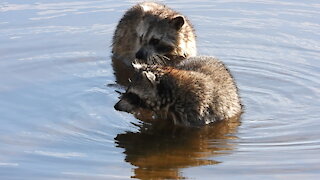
column 56, row 110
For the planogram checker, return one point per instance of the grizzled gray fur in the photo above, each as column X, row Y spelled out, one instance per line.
column 153, row 33
column 195, row 92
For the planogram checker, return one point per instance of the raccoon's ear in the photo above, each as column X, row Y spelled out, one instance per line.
column 150, row 76
column 177, row 22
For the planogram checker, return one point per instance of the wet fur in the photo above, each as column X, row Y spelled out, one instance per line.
column 198, row 91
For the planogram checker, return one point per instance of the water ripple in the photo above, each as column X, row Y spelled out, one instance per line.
column 57, row 116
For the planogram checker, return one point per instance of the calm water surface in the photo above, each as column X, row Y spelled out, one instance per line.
column 56, row 112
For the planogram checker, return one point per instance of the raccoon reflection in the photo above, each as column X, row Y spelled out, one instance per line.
column 197, row 91
column 154, row 33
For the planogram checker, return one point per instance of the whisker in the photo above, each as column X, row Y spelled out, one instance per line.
column 163, row 59
column 149, row 60
column 167, row 58
column 155, row 60
column 158, row 59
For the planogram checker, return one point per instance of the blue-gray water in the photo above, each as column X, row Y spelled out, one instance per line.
column 56, row 113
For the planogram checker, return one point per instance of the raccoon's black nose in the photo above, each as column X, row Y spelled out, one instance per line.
column 141, row 55
column 117, row 107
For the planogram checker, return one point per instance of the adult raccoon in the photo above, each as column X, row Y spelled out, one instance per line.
column 197, row 91
column 154, row 33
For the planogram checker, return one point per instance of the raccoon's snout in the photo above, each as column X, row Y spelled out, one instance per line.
column 117, row 106
column 123, row 105
column 142, row 54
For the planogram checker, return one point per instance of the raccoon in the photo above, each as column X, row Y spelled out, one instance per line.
column 195, row 92
column 153, row 33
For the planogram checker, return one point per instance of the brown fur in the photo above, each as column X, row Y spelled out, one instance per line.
column 198, row 91
column 154, row 33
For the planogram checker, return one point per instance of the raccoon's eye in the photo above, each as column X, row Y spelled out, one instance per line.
column 132, row 98
column 164, row 48
column 154, row 41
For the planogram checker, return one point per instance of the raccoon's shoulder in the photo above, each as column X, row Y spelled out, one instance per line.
column 199, row 63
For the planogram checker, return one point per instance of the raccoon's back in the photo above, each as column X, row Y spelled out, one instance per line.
column 202, row 64
column 224, row 92
column 207, row 65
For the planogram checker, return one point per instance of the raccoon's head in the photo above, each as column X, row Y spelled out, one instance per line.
column 147, row 90
column 158, row 37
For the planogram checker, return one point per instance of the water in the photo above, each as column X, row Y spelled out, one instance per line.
column 56, row 112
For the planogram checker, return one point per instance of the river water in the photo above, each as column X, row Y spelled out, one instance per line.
column 56, row 110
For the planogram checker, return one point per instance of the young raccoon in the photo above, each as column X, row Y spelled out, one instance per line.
column 198, row 91
column 154, row 33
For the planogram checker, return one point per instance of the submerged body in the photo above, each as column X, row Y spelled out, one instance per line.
column 153, row 33
column 195, row 92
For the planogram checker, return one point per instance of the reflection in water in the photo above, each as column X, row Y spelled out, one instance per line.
column 160, row 153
